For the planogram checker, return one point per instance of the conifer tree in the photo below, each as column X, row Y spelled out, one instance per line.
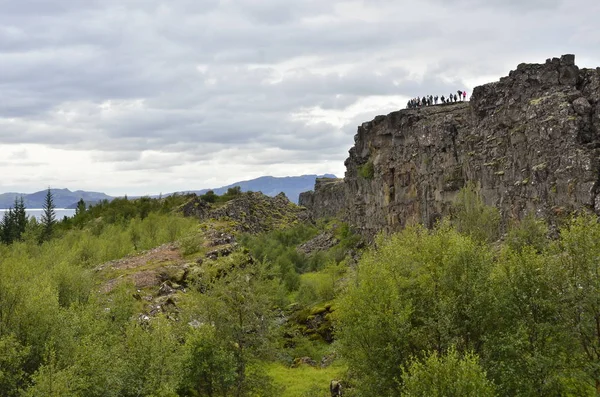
column 20, row 218
column 6, row 227
column 48, row 217
column 80, row 207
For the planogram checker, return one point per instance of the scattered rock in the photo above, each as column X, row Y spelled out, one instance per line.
column 303, row 360
column 143, row 319
column 195, row 324
column 224, row 251
column 165, row 289
column 322, row 242
column 582, row 106
column 218, row 238
column 327, row 360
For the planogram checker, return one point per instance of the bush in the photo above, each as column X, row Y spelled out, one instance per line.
column 74, row 285
column 528, row 232
column 209, row 197
column 12, row 358
column 412, row 294
column 473, row 218
column 191, row 244
column 448, row 375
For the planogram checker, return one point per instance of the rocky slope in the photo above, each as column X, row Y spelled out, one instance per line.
column 529, row 142
column 252, row 212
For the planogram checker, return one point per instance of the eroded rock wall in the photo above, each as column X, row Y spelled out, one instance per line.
column 530, row 142
column 327, row 200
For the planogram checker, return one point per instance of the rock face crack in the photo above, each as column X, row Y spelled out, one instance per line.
column 528, row 142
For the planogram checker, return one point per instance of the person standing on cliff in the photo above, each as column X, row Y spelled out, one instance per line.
column 435, row 99
column 459, row 92
column 464, row 95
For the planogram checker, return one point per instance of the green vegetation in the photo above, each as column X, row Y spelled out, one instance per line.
column 211, row 197
column 48, row 217
column 473, row 218
column 129, row 298
column 438, row 312
column 367, row 170
column 448, row 375
column 14, row 222
column 304, row 381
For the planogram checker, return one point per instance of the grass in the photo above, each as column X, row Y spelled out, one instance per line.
column 305, row 380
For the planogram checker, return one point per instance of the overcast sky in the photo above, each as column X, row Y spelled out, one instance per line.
column 148, row 96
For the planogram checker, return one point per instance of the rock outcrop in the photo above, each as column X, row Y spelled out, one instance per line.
column 529, row 142
column 251, row 212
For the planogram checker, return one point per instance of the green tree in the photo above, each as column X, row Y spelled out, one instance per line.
column 48, row 219
column 579, row 254
column 419, row 290
column 447, row 375
column 7, row 227
column 14, row 222
column 20, row 214
column 80, row 214
column 529, row 349
column 472, row 217
column 240, row 305
column 80, row 207
column 152, row 359
column 52, row 381
column 209, row 197
column 12, row 359
column 208, row 365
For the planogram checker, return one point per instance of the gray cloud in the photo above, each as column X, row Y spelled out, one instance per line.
column 275, row 81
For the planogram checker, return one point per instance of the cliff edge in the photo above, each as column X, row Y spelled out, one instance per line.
column 529, row 142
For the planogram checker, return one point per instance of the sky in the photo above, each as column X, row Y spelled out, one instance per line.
column 148, row 96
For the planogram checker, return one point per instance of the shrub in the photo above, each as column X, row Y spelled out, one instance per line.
column 448, row 375
column 367, row 170
column 191, row 244
column 528, row 232
column 473, row 218
column 209, row 197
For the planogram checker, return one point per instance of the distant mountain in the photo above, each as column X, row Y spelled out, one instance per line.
column 63, row 198
column 292, row 186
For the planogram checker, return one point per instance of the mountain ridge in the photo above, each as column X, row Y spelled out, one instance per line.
column 292, row 186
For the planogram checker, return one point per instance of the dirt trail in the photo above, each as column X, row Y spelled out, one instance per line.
column 149, row 265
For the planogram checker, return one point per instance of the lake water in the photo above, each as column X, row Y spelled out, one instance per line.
column 37, row 212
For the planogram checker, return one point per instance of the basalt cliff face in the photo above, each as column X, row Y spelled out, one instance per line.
column 529, row 142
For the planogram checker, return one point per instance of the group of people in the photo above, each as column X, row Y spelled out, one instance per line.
column 430, row 100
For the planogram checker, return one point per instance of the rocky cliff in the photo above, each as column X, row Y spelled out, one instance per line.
column 529, row 142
